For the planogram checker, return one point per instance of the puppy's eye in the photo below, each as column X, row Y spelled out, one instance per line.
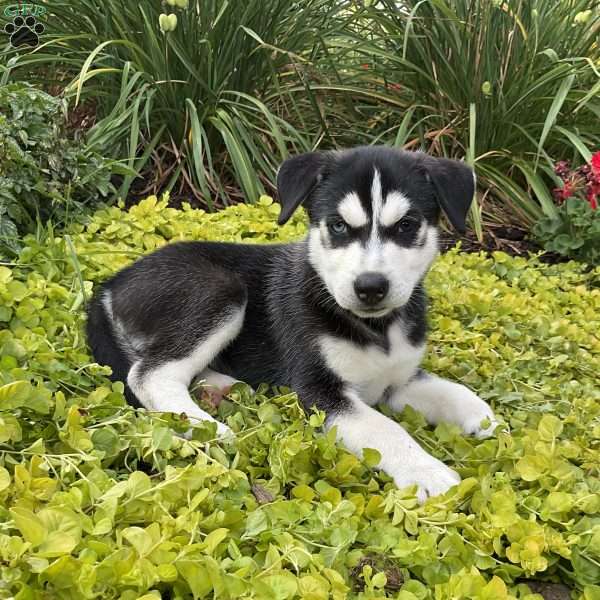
column 407, row 225
column 338, row 227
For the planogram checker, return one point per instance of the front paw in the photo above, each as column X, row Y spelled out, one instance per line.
column 431, row 476
column 476, row 417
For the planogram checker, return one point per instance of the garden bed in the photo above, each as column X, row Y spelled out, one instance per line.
column 98, row 500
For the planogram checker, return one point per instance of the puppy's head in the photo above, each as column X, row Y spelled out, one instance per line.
column 373, row 219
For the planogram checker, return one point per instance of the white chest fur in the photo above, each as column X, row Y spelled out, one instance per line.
column 369, row 370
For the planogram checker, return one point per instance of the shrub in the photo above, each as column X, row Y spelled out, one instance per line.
column 98, row 500
column 506, row 83
column 44, row 174
column 575, row 230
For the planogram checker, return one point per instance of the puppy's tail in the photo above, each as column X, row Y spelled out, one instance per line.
column 104, row 344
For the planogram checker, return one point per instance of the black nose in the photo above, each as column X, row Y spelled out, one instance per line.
column 371, row 288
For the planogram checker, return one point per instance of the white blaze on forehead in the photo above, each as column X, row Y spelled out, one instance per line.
column 395, row 207
column 376, row 198
column 352, row 211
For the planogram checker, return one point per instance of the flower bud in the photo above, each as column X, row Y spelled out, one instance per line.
column 182, row 3
column 167, row 22
column 486, row 88
column 171, row 2
column 172, row 22
column 163, row 22
column 582, row 17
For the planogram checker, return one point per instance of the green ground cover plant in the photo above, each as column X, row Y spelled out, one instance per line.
column 100, row 501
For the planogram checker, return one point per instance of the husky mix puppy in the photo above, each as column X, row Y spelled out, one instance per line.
column 340, row 317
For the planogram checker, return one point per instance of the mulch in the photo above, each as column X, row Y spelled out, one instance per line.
column 511, row 239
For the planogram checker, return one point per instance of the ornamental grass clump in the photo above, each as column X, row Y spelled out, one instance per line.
column 507, row 84
column 98, row 500
column 192, row 94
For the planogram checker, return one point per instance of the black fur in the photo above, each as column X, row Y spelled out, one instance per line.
column 174, row 297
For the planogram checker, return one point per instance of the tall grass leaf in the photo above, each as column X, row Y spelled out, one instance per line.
column 275, row 131
column 222, row 10
column 134, row 135
column 196, row 147
column 403, row 129
column 408, row 26
column 557, row 104
column 236, row 155
column 539, row 187
column 593, row 93
column 86, row 65
column 577, row 143
column 89, row 75
column 474, row 210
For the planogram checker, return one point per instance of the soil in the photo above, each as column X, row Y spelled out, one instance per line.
column 378, row 563
column 511, row 239
column 549, row 591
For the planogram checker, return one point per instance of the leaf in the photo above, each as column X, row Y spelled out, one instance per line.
column 555, row 108
column 14, row 394
column 256, row 523
column 371, row 457
column 4, row 479
column 63, row 528
column 162, row 438
column 549, row 427
column 282, row 585
column 213, row 539
column 29, row 524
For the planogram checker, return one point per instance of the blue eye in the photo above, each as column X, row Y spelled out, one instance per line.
column 338, row 227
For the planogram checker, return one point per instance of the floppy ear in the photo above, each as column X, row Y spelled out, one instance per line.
column 454, row 184
column 296, row 179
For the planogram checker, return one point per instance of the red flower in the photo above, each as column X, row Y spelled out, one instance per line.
column 365, row 65
column 562, row 168
column 593, row 200
column 561, row 194
column 595, row 162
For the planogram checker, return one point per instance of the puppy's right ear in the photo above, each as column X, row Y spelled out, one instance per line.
column 296, row 179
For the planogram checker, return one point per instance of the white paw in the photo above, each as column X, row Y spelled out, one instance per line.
column 431, row 476
column 224, row 433
column 477, row 417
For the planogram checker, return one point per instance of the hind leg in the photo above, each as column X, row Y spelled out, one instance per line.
column 163, row 387
column 213, row 386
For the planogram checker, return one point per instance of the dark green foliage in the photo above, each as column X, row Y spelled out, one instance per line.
column 44, row 174
column 573, row 232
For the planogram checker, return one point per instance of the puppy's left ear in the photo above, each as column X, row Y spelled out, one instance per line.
column 454, row 184
column 296, row 179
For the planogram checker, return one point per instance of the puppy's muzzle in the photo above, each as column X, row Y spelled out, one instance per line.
column 371, row 288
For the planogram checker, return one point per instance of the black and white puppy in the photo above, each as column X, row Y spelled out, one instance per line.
column 339, row 317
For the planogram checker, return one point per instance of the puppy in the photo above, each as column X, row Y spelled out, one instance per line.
column 340, row 317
